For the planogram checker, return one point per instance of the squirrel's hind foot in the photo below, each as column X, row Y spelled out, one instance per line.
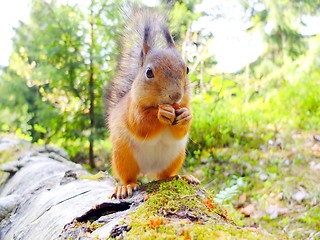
column 189, row 178
column 122, row 192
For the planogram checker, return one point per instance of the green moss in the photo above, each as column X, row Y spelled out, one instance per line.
column 85, row 227
column 9, row 155
column 94, row 177
column 13, row 153
column 178, row 210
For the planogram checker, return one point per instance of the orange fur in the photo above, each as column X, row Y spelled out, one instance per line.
column 180, row 131
column 143, row 122
column 144, row 125
column 122, row 158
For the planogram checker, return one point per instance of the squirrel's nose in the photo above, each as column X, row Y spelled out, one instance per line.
column 176, row 97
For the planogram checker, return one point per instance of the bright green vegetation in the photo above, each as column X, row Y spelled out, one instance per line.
column 252, row 129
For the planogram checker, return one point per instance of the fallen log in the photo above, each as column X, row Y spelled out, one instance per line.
column 45, row 196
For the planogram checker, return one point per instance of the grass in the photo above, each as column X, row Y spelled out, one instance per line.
column 281, row 183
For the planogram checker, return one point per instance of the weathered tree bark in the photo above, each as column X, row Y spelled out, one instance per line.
column 45, row 196
column 44, row 193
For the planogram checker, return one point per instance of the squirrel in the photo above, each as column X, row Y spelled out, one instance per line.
column 148, row 104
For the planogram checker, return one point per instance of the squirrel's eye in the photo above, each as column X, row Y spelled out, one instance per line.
column 149, row 73
column 187, row 70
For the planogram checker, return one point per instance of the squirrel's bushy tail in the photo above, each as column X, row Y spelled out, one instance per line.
column 143, row 28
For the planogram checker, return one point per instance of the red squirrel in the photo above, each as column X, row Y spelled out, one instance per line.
column 148, row 106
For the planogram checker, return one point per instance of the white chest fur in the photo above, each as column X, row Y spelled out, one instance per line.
column 156, row 155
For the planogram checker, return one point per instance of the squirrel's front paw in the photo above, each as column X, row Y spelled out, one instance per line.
column 183, row 116
column 166, row 114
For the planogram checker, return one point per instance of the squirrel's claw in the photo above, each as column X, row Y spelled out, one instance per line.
column 183, row 116
column 122, row 192
column 166, row 114
column 190, row 179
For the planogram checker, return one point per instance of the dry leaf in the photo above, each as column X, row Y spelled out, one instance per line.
column 248, row 210
column 300, row 195
column 155, row 222
column 209, row 204
column 242, row 198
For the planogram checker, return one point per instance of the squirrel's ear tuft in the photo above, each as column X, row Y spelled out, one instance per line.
column 146, row 34
column 168, row 37
column 146, row 49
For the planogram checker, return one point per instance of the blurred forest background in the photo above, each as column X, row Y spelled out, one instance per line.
column 255, row 136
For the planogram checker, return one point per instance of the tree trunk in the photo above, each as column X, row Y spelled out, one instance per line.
column 45, row 191
column 45, row 196
column 91, row 91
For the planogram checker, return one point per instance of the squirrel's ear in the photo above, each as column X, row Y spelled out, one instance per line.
column 146, row 34
column 168, row 37
column 146, row 49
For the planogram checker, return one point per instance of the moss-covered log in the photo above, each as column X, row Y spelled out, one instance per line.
column 45, row 196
